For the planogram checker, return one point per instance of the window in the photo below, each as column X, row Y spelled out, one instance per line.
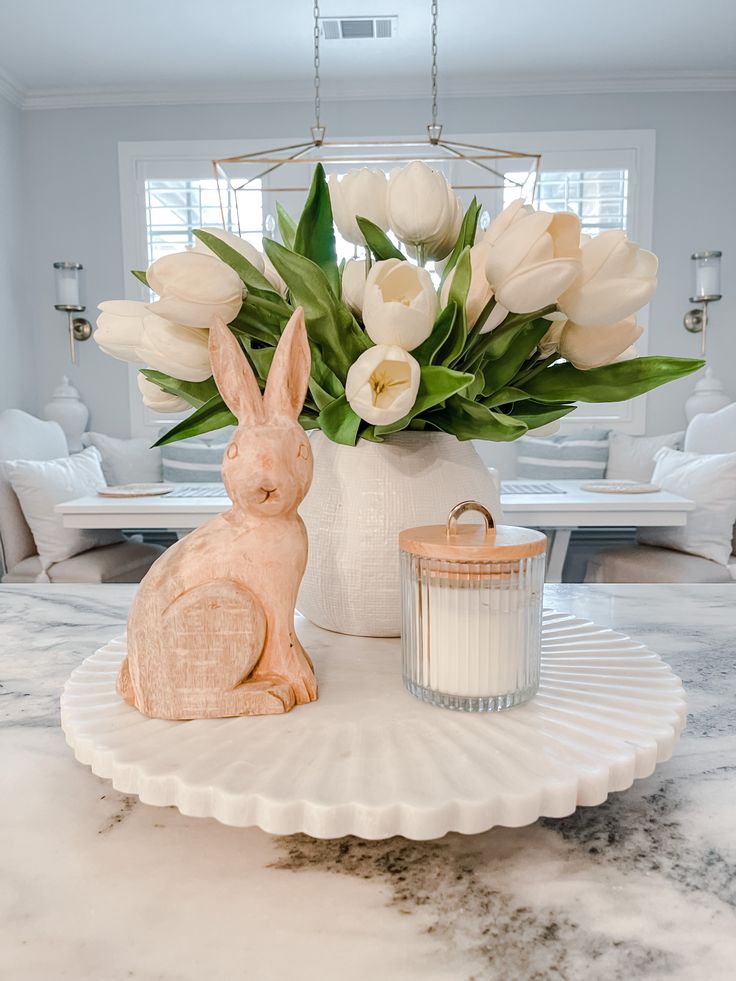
column 175, row 207
column 167, row 190
column 600, row 198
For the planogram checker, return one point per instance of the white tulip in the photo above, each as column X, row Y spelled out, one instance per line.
column 381, row 386
column 399, row 304
column 193, row 287
column 360, row 193
column 353, row 285
column 274, row 277
column 516, row 210
column 630, row 354
column 420, row 206
column 179, row 351
column 159, row 400
column 617, row 279
column 248, row 251
column 534, row 260
column 441, row 246
column 120, row 328
column 480, row 291
column 592, row 347
column 550, row 343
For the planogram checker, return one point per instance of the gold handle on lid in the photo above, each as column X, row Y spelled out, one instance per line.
column 464, row 506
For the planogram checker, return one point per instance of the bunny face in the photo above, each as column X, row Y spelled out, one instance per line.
column 267, row 469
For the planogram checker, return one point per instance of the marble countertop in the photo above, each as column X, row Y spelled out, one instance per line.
column 95, row 886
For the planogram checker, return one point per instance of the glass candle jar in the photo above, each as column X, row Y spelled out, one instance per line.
column 472, row 612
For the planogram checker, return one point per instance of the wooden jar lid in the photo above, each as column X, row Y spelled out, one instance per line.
column 488, row 542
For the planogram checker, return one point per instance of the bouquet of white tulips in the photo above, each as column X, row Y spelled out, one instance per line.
column 526, row 319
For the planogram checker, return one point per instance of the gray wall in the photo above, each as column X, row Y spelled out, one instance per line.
column 74, row 210
column 17, row 383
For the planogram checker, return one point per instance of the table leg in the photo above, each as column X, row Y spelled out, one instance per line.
column 559, row 540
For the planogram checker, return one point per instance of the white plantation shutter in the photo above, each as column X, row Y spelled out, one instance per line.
column 175, row 207
column 600, row 198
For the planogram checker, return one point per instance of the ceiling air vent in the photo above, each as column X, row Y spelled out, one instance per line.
column 349, row 28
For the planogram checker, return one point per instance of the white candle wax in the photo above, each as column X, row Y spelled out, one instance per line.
column 476, row 641
column 707, row 279
column 67, row 288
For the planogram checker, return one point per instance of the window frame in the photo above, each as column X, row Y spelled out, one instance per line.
column 570, row 150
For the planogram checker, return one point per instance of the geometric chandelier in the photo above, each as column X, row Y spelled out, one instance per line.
column 286, row 170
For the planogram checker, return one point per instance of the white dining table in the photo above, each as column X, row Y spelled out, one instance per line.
column 557, row 513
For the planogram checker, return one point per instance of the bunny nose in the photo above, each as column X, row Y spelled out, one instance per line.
column 267, row 492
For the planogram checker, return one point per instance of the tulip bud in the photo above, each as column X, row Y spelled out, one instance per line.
column 420, row 205
column 516, row 210
column 617, row 278
column 193, row 287
column 399, row 304
column 248, row 251
column 174, row 349
column 120, row 328
column 382, row 384
column 159, row 400
column 353, row 285
column 534, row 260
column 592, row 347
column 360, row 193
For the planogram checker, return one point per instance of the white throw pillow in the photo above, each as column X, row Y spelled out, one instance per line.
column 708, row 479
column 40, row 485
column 126, row 461
column 632, row 457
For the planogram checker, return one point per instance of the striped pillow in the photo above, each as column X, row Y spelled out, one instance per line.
column 195, row 460
column 579, row 456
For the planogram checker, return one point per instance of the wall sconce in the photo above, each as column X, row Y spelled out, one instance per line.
column 68, row 301
column 708, row 394
column 707, row 290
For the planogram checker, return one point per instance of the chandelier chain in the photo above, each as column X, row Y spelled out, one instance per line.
column 317, row 103
column 434, row 62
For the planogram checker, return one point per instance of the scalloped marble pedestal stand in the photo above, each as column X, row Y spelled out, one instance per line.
column 369, row 759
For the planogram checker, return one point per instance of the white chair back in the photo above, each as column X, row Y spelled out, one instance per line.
column 712, row 432
column 22, row 437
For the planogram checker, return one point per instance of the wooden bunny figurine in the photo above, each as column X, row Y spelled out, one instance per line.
column 211, row 630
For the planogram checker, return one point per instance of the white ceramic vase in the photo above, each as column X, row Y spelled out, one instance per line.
column 361, row 498
column 67, row 408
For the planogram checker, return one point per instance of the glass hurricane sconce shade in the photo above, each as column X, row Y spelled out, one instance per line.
column 707, row 277
column 68, row 301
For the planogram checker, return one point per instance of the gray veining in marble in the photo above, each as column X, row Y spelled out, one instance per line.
column 95, row 886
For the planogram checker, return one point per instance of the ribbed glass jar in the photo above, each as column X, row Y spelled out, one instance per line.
column 472, row 630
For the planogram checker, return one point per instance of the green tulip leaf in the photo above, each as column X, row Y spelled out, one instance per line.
column 253, row 279
column 458, row 338
column 213, row 415
column 536, row 414
column 504, row 396
column 521, row 342
column 378, row 241
column 140, row 276
column 612, row 383
column 466, row 419
column 315, row 234
column 287, row 226
column 436, row 384
column 428, row 350
column 330, row 324
column 465, row 239
column 339, row 423
column 195, row 393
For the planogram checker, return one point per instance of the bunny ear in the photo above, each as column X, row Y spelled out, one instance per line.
column 233, row 375
column 286, row 387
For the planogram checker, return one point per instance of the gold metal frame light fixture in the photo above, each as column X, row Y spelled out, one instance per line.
column 472, row 167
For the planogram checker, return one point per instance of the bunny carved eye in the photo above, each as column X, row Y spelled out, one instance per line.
column 303, row 451
column 232, row 451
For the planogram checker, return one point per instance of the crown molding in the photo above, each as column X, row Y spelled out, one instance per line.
column 580, row 84
column 11, row 90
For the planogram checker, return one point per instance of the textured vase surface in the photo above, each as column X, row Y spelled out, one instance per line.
column 361, row 498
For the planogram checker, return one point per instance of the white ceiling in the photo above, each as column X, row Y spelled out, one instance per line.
column 145, row 48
